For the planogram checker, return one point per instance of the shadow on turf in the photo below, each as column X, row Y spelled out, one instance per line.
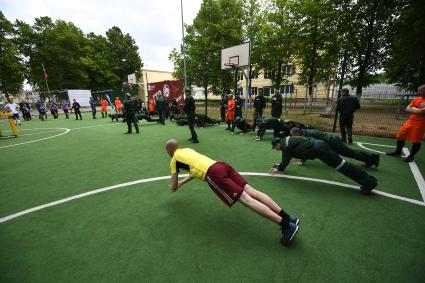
column 234, row 227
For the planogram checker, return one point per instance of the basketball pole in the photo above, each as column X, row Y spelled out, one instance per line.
column 183, row 50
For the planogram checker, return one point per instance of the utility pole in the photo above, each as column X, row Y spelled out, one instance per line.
column 183, row 49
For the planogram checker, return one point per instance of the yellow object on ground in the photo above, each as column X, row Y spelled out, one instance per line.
column 12, row 124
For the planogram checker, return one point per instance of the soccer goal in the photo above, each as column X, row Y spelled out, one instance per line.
column 12, row 126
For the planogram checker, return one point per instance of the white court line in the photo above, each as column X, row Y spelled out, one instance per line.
column 40, row 133
column 54, row 203
column 66, row 130
column 413, row 166
column 416, row 174
column 58, row 129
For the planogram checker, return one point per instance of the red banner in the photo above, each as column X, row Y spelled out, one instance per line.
column 169, row 89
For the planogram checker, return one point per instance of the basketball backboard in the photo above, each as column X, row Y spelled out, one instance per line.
column 235, row 56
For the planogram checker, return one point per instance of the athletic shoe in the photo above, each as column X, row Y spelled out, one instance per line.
column 366, row 190
column 376, row 157
column 409, row 159
column 288, row 234
column 294, row 220
column 394, row 153
column 191, row 139
column 195, row 141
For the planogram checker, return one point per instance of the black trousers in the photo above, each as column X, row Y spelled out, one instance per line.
column 346, row 122
column 191, row 122
column 131, row 119
column 223, row 114
column 258, row 114
column 93, row 112
column 78, row 113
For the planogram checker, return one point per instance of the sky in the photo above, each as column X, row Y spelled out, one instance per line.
column 155, row 25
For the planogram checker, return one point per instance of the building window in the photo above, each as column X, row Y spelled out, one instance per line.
column 266, row 91
column 268, row 74
column 289, row 88
column 289, row 70
column 254, row 91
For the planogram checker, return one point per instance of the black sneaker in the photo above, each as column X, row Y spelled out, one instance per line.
column 288, row 234
column 191, row 139
column 294, row 220
column 409, row 159
column 394, row 153
column 376, row 158
column 195, row 141
column 366, row 190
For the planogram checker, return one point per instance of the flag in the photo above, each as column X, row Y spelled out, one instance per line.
column 46, row 75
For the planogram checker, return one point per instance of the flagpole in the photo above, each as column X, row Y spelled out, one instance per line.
column 183, row 48
column 44, row 74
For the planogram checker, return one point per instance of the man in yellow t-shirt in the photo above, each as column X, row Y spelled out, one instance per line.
column 228, row 185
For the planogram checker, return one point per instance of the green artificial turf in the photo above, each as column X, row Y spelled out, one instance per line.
column 145, row 233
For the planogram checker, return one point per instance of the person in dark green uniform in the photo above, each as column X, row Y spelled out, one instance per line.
column 160, row 108
column 346, row 105
column 223, row 106
column 310, row 149
column 276, row 102
column 238, row 105
column 241, row 124
column 130, row 108
column 189, row 109
column 370, row 159
column 259, row 105
column 268, row 123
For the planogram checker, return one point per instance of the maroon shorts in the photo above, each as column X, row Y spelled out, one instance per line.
column 225, row 182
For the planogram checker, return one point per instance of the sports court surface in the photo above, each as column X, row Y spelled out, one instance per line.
column 96, row 207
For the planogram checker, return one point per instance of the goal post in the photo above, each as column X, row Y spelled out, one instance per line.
column 12, row 125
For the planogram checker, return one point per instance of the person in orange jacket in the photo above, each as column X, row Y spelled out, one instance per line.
column 151, row 106
column 118, row 105
column 230, row 112
column 104, row 107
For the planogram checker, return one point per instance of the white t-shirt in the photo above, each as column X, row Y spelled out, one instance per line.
column 12, row 107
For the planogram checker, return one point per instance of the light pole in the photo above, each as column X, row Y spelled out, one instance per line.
column 183, row 47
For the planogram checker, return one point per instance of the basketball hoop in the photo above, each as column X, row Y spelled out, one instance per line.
column 231, row 65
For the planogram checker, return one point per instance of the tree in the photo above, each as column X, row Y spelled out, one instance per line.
column 406, row 64
column 12, row 68
column 367, row 27
column 275, row 47
column 123, row 55
column 316, row 48
column 217, row 25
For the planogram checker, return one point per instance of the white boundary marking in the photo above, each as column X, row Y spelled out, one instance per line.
column 122, row 185
column 66, row 130
column 413, row 166
column 416, row 174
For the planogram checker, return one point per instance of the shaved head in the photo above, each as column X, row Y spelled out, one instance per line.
column 171, row 146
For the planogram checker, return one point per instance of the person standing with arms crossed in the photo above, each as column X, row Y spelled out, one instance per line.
column 189, row 109
column 346, row 105
column 414, row 128
column 228, row 185
column 276, row 102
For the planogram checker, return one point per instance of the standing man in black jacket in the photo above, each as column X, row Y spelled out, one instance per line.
column 259, row 105
column 276, row 101
column 130, row 108
column 160, row 108
column 238, row 105
column 189, row 109
column 76, row 106
column 223, row 105
column 346, row 105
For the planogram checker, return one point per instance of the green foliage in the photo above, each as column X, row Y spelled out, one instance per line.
column 316, row 47
column 406, row 64
column 73, row 59
column 12, row 68
column 217, row 25
column 274, row 47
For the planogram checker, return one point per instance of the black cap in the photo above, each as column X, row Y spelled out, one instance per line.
column 275, row 141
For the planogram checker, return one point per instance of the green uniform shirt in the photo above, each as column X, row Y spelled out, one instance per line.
column 347, row 105
column 298, row 147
